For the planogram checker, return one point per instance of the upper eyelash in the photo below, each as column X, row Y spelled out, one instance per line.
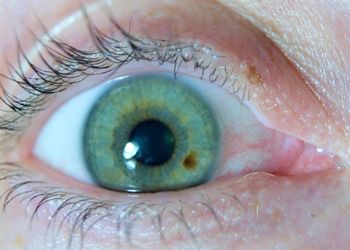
column 80, row 213
column 71, row 65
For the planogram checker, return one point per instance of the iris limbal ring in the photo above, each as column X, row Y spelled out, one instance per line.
column 151, row 133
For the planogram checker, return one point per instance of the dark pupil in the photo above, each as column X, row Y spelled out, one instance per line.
column 155, row 141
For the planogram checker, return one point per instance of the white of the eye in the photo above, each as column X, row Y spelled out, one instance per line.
column 59, row 143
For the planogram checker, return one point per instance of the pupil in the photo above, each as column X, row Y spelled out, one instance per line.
column 154, row 141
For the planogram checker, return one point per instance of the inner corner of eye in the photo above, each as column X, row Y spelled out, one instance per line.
column 156, row 132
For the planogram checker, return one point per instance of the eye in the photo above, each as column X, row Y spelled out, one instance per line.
column 263, row 111
column 146, row 132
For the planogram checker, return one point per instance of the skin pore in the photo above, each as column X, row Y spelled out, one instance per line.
column 260, row 210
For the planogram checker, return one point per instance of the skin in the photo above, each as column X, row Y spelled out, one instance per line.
column 262, row 210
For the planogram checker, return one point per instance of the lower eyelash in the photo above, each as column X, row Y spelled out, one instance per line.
column 80, row 215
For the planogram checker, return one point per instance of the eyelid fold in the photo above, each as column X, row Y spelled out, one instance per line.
column 232, row 209
column 277, row 93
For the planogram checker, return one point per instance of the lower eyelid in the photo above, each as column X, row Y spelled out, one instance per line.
column 162, row 217
column 239, row 207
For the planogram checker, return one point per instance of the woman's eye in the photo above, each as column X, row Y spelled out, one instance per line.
column 175, row 121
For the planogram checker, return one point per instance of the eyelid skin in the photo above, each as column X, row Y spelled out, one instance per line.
column 280, row 96
column 320, row 37
column 267, row 201
column 316, row 36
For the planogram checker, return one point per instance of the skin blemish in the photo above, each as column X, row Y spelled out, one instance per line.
column 19, row 241
column 190, row 162
column 252, row 75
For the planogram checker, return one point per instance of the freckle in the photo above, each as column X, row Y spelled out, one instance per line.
column 19, row 241
column 277, row 215
column 190, row 162
column 253, row 76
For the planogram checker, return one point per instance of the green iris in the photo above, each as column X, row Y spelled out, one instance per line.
column 151, row 133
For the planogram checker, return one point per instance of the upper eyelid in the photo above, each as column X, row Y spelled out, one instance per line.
column 106, row 58
column 318, row 63
column 276, row 77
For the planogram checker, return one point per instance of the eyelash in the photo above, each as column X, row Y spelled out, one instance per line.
column 72, row 66
column 84, row 212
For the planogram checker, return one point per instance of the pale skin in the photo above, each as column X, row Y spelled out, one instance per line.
column 269, row 212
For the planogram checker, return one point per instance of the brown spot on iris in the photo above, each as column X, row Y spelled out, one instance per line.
column 190, row 162
column 253, row 76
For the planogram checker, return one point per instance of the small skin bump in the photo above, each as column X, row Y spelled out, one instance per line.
column 190, row 162
column 19, row 241
column 253, row 77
